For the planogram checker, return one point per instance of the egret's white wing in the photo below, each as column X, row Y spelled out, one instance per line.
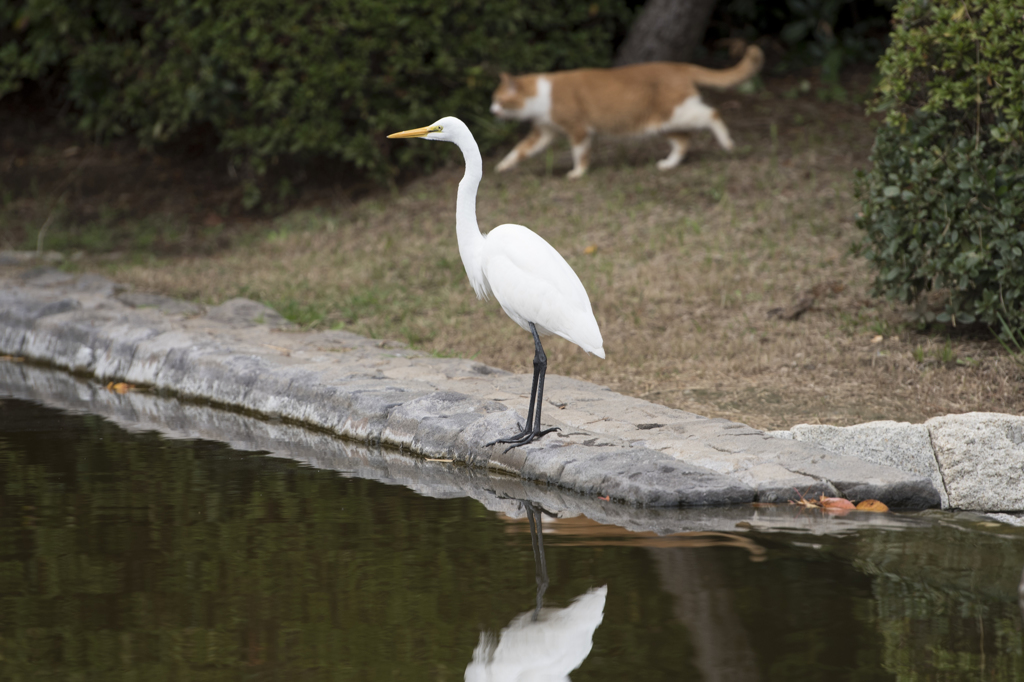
column 533, row 283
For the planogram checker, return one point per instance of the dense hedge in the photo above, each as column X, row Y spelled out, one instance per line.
column 943, row 205
column 293, row 77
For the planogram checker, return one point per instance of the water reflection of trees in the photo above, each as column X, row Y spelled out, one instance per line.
column 186, row 560
column 947, row 610
column 913, row 604
column 704, row 601
column 172, row 559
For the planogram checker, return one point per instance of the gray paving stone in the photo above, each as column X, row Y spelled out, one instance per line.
column 906, row 446
column 165, row 304
column 153, row 412
column 97, row 284
column 10, row 257
column 243, row 311
column 243, row 355
column 45, row 277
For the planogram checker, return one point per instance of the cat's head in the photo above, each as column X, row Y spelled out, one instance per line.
column 509, row 98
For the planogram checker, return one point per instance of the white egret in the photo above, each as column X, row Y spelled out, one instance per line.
column 532, row 282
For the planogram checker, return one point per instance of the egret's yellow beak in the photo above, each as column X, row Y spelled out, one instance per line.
column 415, row 132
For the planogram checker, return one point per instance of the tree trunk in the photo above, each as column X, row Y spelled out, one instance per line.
column 666, row 31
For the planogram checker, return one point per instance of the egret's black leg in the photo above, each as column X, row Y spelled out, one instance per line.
column 532, row 428
column 539, row 388
column 528, row 428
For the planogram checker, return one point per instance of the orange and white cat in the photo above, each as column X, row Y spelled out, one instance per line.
column 638, row 99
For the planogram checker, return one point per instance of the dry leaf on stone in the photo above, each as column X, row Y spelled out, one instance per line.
column 120, row 387
column 835, row 503
column 872, row 506
column 804, row 502
column 831, row 504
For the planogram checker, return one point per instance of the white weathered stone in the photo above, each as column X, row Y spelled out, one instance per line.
column 1013, row 520
column 981, row 457
column 897, row 444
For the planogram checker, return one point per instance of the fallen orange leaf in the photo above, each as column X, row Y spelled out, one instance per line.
column 590, row 250
column 120, row 387
column 605, row 498
column 872, row 506
column 835, row 503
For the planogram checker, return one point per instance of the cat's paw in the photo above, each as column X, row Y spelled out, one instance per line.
column 667, row 164
column 576, row 173
column 505, row 164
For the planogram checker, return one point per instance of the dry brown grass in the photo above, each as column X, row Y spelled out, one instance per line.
column 685, row 268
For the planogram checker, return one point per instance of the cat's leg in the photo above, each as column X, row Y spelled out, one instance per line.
column 721, row 133
column 580, row 140
column 693, row 114
column 680, row 143
column 534, row 143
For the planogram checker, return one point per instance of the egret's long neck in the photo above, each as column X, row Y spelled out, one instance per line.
column 471, row 242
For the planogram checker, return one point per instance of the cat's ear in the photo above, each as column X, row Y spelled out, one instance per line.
column 506, row 80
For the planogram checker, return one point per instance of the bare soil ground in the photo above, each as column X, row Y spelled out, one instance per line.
column 727, row 287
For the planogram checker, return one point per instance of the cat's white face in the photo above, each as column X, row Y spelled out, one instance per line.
column 501, row 112
column 522, row 98
column 508, row 99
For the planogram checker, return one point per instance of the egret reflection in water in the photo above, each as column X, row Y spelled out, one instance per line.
column 543, row 644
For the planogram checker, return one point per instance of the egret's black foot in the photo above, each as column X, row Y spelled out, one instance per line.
column 527, row 434
column 523, row 437
column 522, row 432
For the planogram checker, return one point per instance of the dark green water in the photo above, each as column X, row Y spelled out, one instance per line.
column 133, row 557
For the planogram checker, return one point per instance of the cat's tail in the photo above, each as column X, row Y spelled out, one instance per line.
column 749, row 66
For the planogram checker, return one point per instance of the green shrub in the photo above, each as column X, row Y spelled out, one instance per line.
column 962, row 60
column 943, row 205
column 293, row 78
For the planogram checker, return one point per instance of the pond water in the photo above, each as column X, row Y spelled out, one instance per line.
column 132, row 556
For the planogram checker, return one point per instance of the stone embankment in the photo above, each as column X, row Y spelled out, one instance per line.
column 245, row 356
column 148, row 411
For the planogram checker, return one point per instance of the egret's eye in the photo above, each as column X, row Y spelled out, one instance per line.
column 436, row 129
